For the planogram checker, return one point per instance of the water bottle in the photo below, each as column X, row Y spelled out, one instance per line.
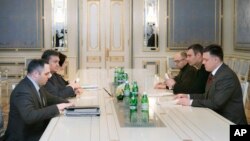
column 135, row 89
column 120, row 76
column 126, row 93
column 115, row 76
column 125, row 76
column 133, row 109
column 144, row 108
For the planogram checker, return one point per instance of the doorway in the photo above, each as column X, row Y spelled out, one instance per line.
column 105, row 32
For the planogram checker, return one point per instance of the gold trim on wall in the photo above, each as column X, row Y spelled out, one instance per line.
column 94, row 59
column 93, row 67
column 121, row 4
column 89, row 24
column 240, row 46
column 147, row 24
column 116, row 58
column 156, row 63
column 182, row 45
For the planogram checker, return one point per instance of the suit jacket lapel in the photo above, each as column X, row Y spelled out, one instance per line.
column 34, row 92
column 43, row 94
column 210, row 88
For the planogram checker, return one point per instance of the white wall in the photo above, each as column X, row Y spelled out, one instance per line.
column 227, row 37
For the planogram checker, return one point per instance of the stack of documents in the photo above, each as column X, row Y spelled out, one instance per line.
column 83, row 111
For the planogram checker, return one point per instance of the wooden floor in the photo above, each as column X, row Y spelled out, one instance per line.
column 4, row 102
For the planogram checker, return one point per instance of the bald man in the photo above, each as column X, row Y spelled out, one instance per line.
column 182, row 82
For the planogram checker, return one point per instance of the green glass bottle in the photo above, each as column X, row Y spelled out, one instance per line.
column 133, row 109
column 115, row 76
column 125, row 76
column 135, row 89
column 126, row 89
column 144, row 108
column 120, row 76
column 126, row 94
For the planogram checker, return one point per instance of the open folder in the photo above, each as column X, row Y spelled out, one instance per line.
column 83, row 111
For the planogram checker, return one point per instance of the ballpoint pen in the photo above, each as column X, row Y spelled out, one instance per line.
column 108, row 92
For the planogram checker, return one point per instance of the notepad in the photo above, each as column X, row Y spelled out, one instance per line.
column 83, row 111
column 170, row 103
column 89, row 86
column 160, row 94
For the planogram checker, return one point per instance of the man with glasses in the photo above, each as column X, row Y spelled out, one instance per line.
column 182, row 82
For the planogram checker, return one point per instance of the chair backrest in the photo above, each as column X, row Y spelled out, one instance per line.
column 1, row 118
column 236, row 66
column 243, row 70
column 230, row 62
column 171, row 67
column 244, row 87
column 1, row 123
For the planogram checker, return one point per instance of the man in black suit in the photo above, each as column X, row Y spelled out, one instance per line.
column 31, row 106
column 183, row 81
column 194, row 58
column 56, row 85
column 223, row 90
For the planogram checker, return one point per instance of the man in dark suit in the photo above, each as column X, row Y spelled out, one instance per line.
column 194, row 58
column 56, row 85
column 223, row 90
column 31, row 106
column 183, row 81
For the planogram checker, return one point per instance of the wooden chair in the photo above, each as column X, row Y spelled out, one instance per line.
column 244, row 87
column 229, row 62
column 243, row 70
column 236, row 66
column 1, row 124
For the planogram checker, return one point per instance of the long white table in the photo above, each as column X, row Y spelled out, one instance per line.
column 182, row 123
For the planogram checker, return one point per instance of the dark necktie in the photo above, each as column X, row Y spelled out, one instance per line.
column 42, row 100
column 210, row 79
column 209, row 82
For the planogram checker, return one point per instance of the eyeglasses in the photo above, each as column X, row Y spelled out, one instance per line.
column 178, row 61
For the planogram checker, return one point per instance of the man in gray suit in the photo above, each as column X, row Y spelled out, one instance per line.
column 31, row 106
column 223, row 92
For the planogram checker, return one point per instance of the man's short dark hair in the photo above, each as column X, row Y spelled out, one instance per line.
column 183, row 54
column 214, row 50
column 62, row 58
column 36, row 64
column 197, row 48
column 48, row 53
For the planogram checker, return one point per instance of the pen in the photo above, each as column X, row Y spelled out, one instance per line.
column 108, row 92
